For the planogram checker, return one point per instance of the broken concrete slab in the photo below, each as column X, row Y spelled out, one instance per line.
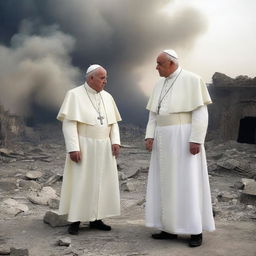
column 54, row 219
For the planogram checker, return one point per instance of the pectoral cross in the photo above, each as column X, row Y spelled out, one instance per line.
column 100, row 118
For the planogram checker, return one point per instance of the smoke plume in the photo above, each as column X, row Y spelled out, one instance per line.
column 49, row 44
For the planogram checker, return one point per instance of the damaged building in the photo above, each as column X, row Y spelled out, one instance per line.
column 11, row 127
column 233, row 112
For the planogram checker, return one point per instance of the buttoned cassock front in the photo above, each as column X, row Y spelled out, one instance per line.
column 90, row 188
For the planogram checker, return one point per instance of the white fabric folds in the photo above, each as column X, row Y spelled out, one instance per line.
column 188, row 93
column 178, row 197
column 77, row 107
column 90, row 188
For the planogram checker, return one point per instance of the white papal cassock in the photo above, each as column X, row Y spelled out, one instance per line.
column 178, row 196
column 90, row 188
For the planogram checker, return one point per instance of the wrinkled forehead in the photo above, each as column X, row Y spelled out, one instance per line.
column 162, row 57
column 101, row 72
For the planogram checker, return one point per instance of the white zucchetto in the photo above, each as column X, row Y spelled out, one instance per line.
column 93, row 67
column 172, row 53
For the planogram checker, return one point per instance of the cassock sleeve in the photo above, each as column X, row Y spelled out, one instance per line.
column 69, row 129
column 150, row 130
column 114, row 134
column 199, row 125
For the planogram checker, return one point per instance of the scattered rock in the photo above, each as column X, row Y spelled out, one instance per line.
column 249, row 186
column 134, row 175
column 141, row 202
column 144, row 169
column 29, row 185
column 4, row 250
column 5, row 152
column 65, row 241
column 122, row 176
column 69, row 251
column 239, row 185
column 226, row 196
column 241, row 166
column 43, row 196
column 248, row 195
column 33, row 175
column 11, row 206
column 128, row 186
column 234, row 201
column 55, row 220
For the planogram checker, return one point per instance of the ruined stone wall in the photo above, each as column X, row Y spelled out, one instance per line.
column 11, row 127
column 232, row 101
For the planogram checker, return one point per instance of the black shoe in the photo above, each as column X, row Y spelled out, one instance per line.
column 164, row 235
column 73, row 228
column 98, row 224
column 196, row 240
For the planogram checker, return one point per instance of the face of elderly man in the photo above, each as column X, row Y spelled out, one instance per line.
column 98, row 80
column 164, row 65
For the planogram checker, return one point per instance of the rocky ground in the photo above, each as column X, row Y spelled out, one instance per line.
column 30, row 180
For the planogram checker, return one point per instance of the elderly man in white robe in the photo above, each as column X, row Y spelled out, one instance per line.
column 178, row 199
column 90, row 189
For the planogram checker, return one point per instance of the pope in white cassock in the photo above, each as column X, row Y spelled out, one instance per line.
column 178, row 199
column 90, row 189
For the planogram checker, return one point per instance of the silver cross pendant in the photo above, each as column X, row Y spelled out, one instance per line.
column 100, row 118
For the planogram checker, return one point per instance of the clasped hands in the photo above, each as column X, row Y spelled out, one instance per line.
column 194, row 148
column 76, row 155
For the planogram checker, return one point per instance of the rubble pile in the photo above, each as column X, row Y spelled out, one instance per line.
column 31, row 176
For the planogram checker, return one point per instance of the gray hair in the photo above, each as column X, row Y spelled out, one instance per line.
column 171, row 58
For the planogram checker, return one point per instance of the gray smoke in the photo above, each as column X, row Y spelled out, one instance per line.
column 120, row 35
column 36, row 68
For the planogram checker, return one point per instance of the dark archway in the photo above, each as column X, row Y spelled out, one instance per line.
column 247, row 130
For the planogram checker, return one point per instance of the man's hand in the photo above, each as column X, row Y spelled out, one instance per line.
column 115, row 150
column 75, row 156
column 194, row 148
column 149, row 144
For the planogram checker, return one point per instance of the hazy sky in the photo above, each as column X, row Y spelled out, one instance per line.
column 228, row 45
column 46, row 46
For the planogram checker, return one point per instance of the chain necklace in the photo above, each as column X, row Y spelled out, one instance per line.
column 161, row 98
column 100, row 117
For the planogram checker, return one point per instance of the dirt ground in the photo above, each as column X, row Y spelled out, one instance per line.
column 129, row 236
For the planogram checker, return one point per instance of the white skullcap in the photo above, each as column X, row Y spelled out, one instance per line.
column 92, row 67
column 172, row 53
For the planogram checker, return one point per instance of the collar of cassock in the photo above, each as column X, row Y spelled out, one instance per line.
column 174, row 74
column 89, row 89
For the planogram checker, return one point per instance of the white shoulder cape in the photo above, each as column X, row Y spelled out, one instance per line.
column 78, row 107
column 188, row 93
